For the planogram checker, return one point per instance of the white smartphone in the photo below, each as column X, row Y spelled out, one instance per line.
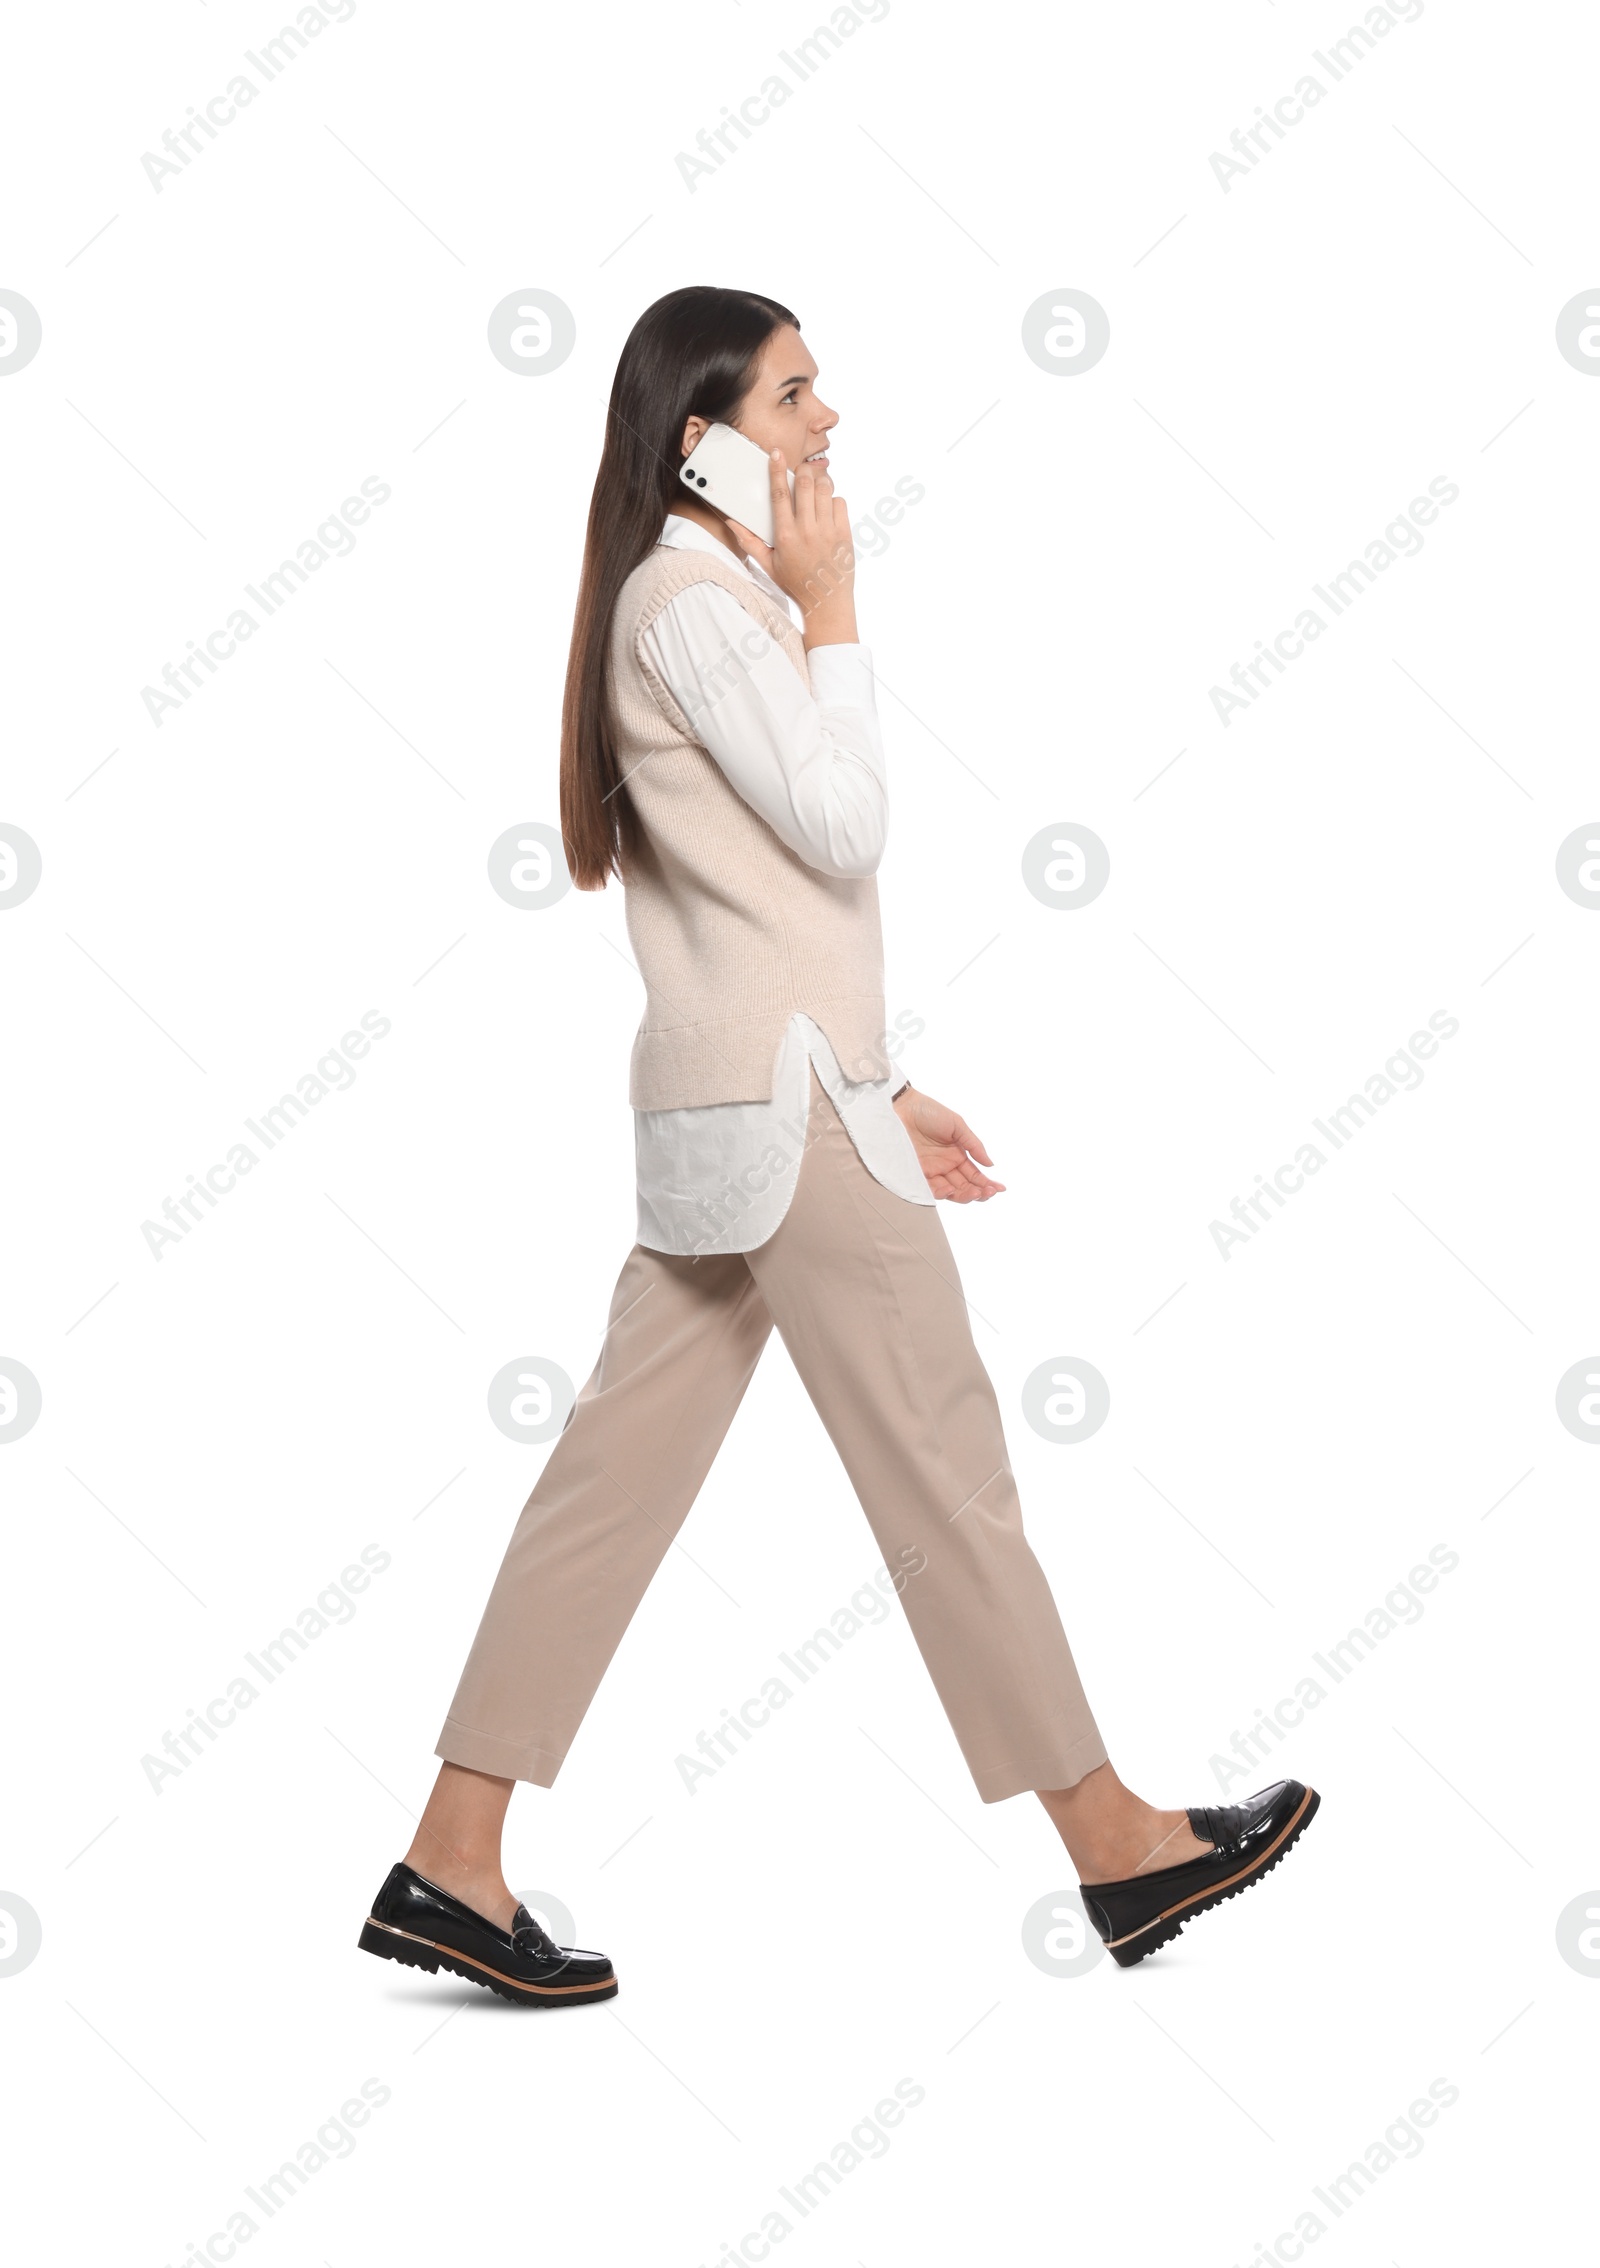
column 731, row 472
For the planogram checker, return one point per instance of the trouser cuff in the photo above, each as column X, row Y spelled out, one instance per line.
column 505, row 1759
column 1055, row 1768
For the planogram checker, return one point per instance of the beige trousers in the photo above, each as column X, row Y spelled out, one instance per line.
column 864, row 1292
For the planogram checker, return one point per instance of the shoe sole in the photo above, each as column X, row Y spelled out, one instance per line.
column 391, row 1944
column 1125, row 1951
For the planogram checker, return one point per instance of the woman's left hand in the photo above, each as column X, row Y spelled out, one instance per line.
column 948, row 1151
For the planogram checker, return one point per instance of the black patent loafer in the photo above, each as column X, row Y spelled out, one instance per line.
column 415, row 1922
column 1248, row 1839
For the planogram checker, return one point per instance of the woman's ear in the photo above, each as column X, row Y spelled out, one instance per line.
column 694, row 432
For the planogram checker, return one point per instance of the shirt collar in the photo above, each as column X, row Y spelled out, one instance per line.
column 680, row 534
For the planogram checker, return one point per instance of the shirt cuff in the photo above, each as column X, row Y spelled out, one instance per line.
column 841, row 677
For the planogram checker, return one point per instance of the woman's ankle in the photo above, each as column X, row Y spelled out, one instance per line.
column 456, row 1846
column 1111, row 1834
column 448, row 1864
column 478, row 1881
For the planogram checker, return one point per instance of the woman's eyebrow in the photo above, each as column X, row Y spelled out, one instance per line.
column 801, row 378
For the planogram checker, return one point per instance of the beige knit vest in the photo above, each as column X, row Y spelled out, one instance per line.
column 732, row 931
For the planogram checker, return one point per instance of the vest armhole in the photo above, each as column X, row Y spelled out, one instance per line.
column 656, row 604
column 660, row 692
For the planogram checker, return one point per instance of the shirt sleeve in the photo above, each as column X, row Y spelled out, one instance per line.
column 809, row 761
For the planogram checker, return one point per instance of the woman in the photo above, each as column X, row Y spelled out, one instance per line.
column 723, row 758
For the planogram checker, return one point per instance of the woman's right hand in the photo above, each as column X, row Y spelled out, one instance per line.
column 812, row 558
column 949, row 1153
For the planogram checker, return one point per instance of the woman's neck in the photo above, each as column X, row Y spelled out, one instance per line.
column 691, row 508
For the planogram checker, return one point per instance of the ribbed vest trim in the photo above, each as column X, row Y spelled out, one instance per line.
column 732, row 930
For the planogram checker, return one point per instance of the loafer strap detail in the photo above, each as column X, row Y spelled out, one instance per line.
column 1220, row 1823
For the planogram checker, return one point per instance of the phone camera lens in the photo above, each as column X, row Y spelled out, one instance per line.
column 701, row 478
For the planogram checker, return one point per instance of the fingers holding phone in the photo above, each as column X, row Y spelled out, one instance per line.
column 813, row 554
column 793, row 525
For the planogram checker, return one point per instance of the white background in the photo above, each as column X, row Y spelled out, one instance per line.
column 1373, row 1375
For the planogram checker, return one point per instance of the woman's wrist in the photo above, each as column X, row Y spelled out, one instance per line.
column 832, row 621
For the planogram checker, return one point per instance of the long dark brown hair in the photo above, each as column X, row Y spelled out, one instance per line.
column 693, row 354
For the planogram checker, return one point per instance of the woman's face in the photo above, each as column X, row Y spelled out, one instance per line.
column 782, row 410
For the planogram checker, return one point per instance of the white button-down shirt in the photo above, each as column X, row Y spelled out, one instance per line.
column 719, row 1178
